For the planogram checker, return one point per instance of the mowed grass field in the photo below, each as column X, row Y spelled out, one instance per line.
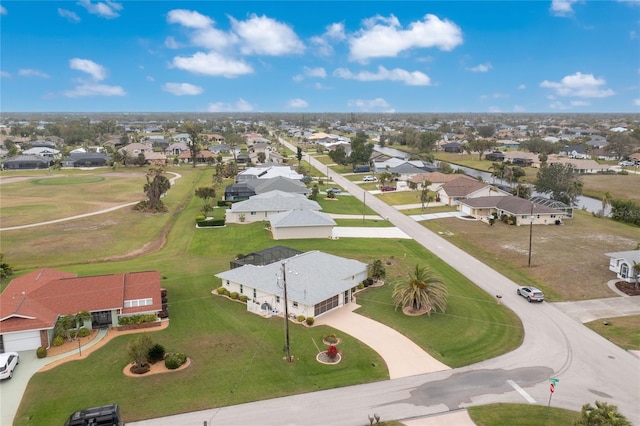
column 568, row 262
column 237, row 356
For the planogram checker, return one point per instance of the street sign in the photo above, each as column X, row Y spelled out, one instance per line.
column 554, row 381
column 552, row 387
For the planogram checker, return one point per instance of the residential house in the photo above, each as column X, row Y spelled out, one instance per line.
column 31, row 304
column 268, row 171
column 86, row 159
column 176, row 148
column 582, row 166
column 464, row 187
column 296, row 224
column 182, row 137
column 261, row 206
column 244, row 190
column 25, row 162
column 46, row 152
column 454, row 147
column 575, row 151
column 316, row 283
column 622, row 263
column 484, row 208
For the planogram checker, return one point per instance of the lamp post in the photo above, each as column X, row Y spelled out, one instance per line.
column 287, row 346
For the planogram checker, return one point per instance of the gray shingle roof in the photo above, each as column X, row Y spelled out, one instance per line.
column 312, row 277
column 300, row 218
column 275, row 201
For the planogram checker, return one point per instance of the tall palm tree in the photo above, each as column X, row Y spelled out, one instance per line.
column 602, row 414
column 80, row 318
column 423, row 293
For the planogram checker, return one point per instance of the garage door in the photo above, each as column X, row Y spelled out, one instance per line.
column 465, row 209
column 23, row 341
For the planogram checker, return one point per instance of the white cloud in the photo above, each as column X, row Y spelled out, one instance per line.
column 5, row 74
column 562, row 7
column 310, row 73
column 212, row 64
column 181, row 89
column 3, row 10
column 171, row 43
column 633, row 35
column 297, row 103
column 150, row 78
column 384, row 37
column 334, row 33
column 212, row 38
column 33, row 73
column 68, row 15
column 636, row 102
column 579, row 85
column 414, row 78
column 89, row 89
column 239, row 106
column 481, row 68
column 518, row 108
column 98, row 72
column 376, row 104
column 522, row 87
column 107, row 9
column 189, row 19
column 265, row 36
column 580, row 103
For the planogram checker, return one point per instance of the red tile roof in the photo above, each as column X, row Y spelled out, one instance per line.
column 35, row 300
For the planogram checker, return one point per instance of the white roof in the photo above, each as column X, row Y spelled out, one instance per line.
column 300, row 218
column 274, row 201
column 630, row 256
column 272, row 171
column 311, row 277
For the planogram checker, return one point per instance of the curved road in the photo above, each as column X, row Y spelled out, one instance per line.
column 588, row 366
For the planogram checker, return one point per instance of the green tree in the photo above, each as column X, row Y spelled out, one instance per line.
column 377, row 270
column 480, row 146
column 63, row 325
column 79, row 319
column 486, row 131
column 361, row 149
column 157, row 184
column 339, row 155
column 193, row 129
column 424, row 194
column 139, row 348
column 205, row 193
column 606, row 200
column 299, row 155
column 423, row 293
column 602, row 414
column 5, row 269
column 562, row 181
column 636, row 273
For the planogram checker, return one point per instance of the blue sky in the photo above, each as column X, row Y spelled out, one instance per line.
column 320, row 56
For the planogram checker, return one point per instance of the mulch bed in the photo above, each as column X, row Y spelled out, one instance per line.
column 628, row 288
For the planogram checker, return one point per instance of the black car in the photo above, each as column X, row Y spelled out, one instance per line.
column 106, row 415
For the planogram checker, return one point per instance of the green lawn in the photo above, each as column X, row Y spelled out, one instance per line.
column 395, row 198
column 622, row 331
column 237, row 356
column 521, row 415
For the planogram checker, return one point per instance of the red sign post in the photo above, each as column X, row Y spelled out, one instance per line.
column 552, row 387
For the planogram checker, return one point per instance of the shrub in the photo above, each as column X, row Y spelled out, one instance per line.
column 174, row 360
column 367, row 282
column 332, row 351
column 330, row 338
column 72, row 334
column 156, row 353
column 300, row 318
column 137, row 319
column 84, row 332
column 310, row 320
column 223, row 291
column 210, row 223
column 234, row 295
column 244, row 298
column 57, row 341
column 41, row 352
column 360, row 286
column 200, row 217
column 139, row 369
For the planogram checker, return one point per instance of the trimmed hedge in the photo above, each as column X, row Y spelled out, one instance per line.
column 84, row 332
column 310, row 320
column 137, row 319
column 300, row 318
column 210, row 223
column 244, row 298
column 156, row 353
column 41, row 352
column 174, row 360
column 57, row 341
column 222, row 291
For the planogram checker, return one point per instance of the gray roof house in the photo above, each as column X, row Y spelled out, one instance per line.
column 483, row 208
column 244, row 190
column 23, row 162
column 296, row 224
column 622, row 262
column 86, row 159
column 261, row 206
column 316, row 283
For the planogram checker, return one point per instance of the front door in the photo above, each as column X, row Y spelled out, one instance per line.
column 346, row 297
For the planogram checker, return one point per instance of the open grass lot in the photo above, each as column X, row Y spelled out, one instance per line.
column 623, row 187
column 429, row 209
column 343, row 204
column 567, row 262
column 623, row 331
column 395, row 198
column 521, row 415
column 237, row 356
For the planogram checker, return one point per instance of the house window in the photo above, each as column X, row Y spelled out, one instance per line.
column 277, row 299
column 253, row 213
column 241, row 289
column 254, row 293
column 138, row 302
column 295, row 304
column 227, row 283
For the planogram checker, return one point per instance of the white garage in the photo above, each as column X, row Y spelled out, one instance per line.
column 21, row 341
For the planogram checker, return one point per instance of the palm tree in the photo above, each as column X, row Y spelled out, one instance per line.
column 602, row 414
column 377, row 270
column 80, row 318
column 636, row 273
column 423, row 293
column 63, row 325
column 606, row 200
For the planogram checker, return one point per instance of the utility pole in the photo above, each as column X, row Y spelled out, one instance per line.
column 287, row 346
column 364, row 204
column 530, row 231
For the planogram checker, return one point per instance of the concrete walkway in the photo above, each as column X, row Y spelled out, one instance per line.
column 403, row 357
column 590, row 310
column 356, row 232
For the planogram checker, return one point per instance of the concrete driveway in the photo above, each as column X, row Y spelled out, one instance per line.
column 403, row 357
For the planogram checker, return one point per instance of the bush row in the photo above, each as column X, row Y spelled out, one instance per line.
column 137, row 319
column 209, row 223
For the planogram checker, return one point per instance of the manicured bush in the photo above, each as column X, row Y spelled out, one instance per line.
column 210, row 223
column 222, row 291
column 156, row 353
column 137, row 319
column 360, row 286
column 174, row 360
column 332, row 351
column 57, row 341
column 330, row 338
column 200, row 217
column 41, row 352
column 244, row 298
column 72, row 334
column 84, row 332
column 234, row 295
column 367, row 282
column 300, row 318
column 310, row 320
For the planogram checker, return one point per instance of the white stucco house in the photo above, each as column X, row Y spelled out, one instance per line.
column 296, row 224
column 316, row 283
column 260, row 207
column 621, row 262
